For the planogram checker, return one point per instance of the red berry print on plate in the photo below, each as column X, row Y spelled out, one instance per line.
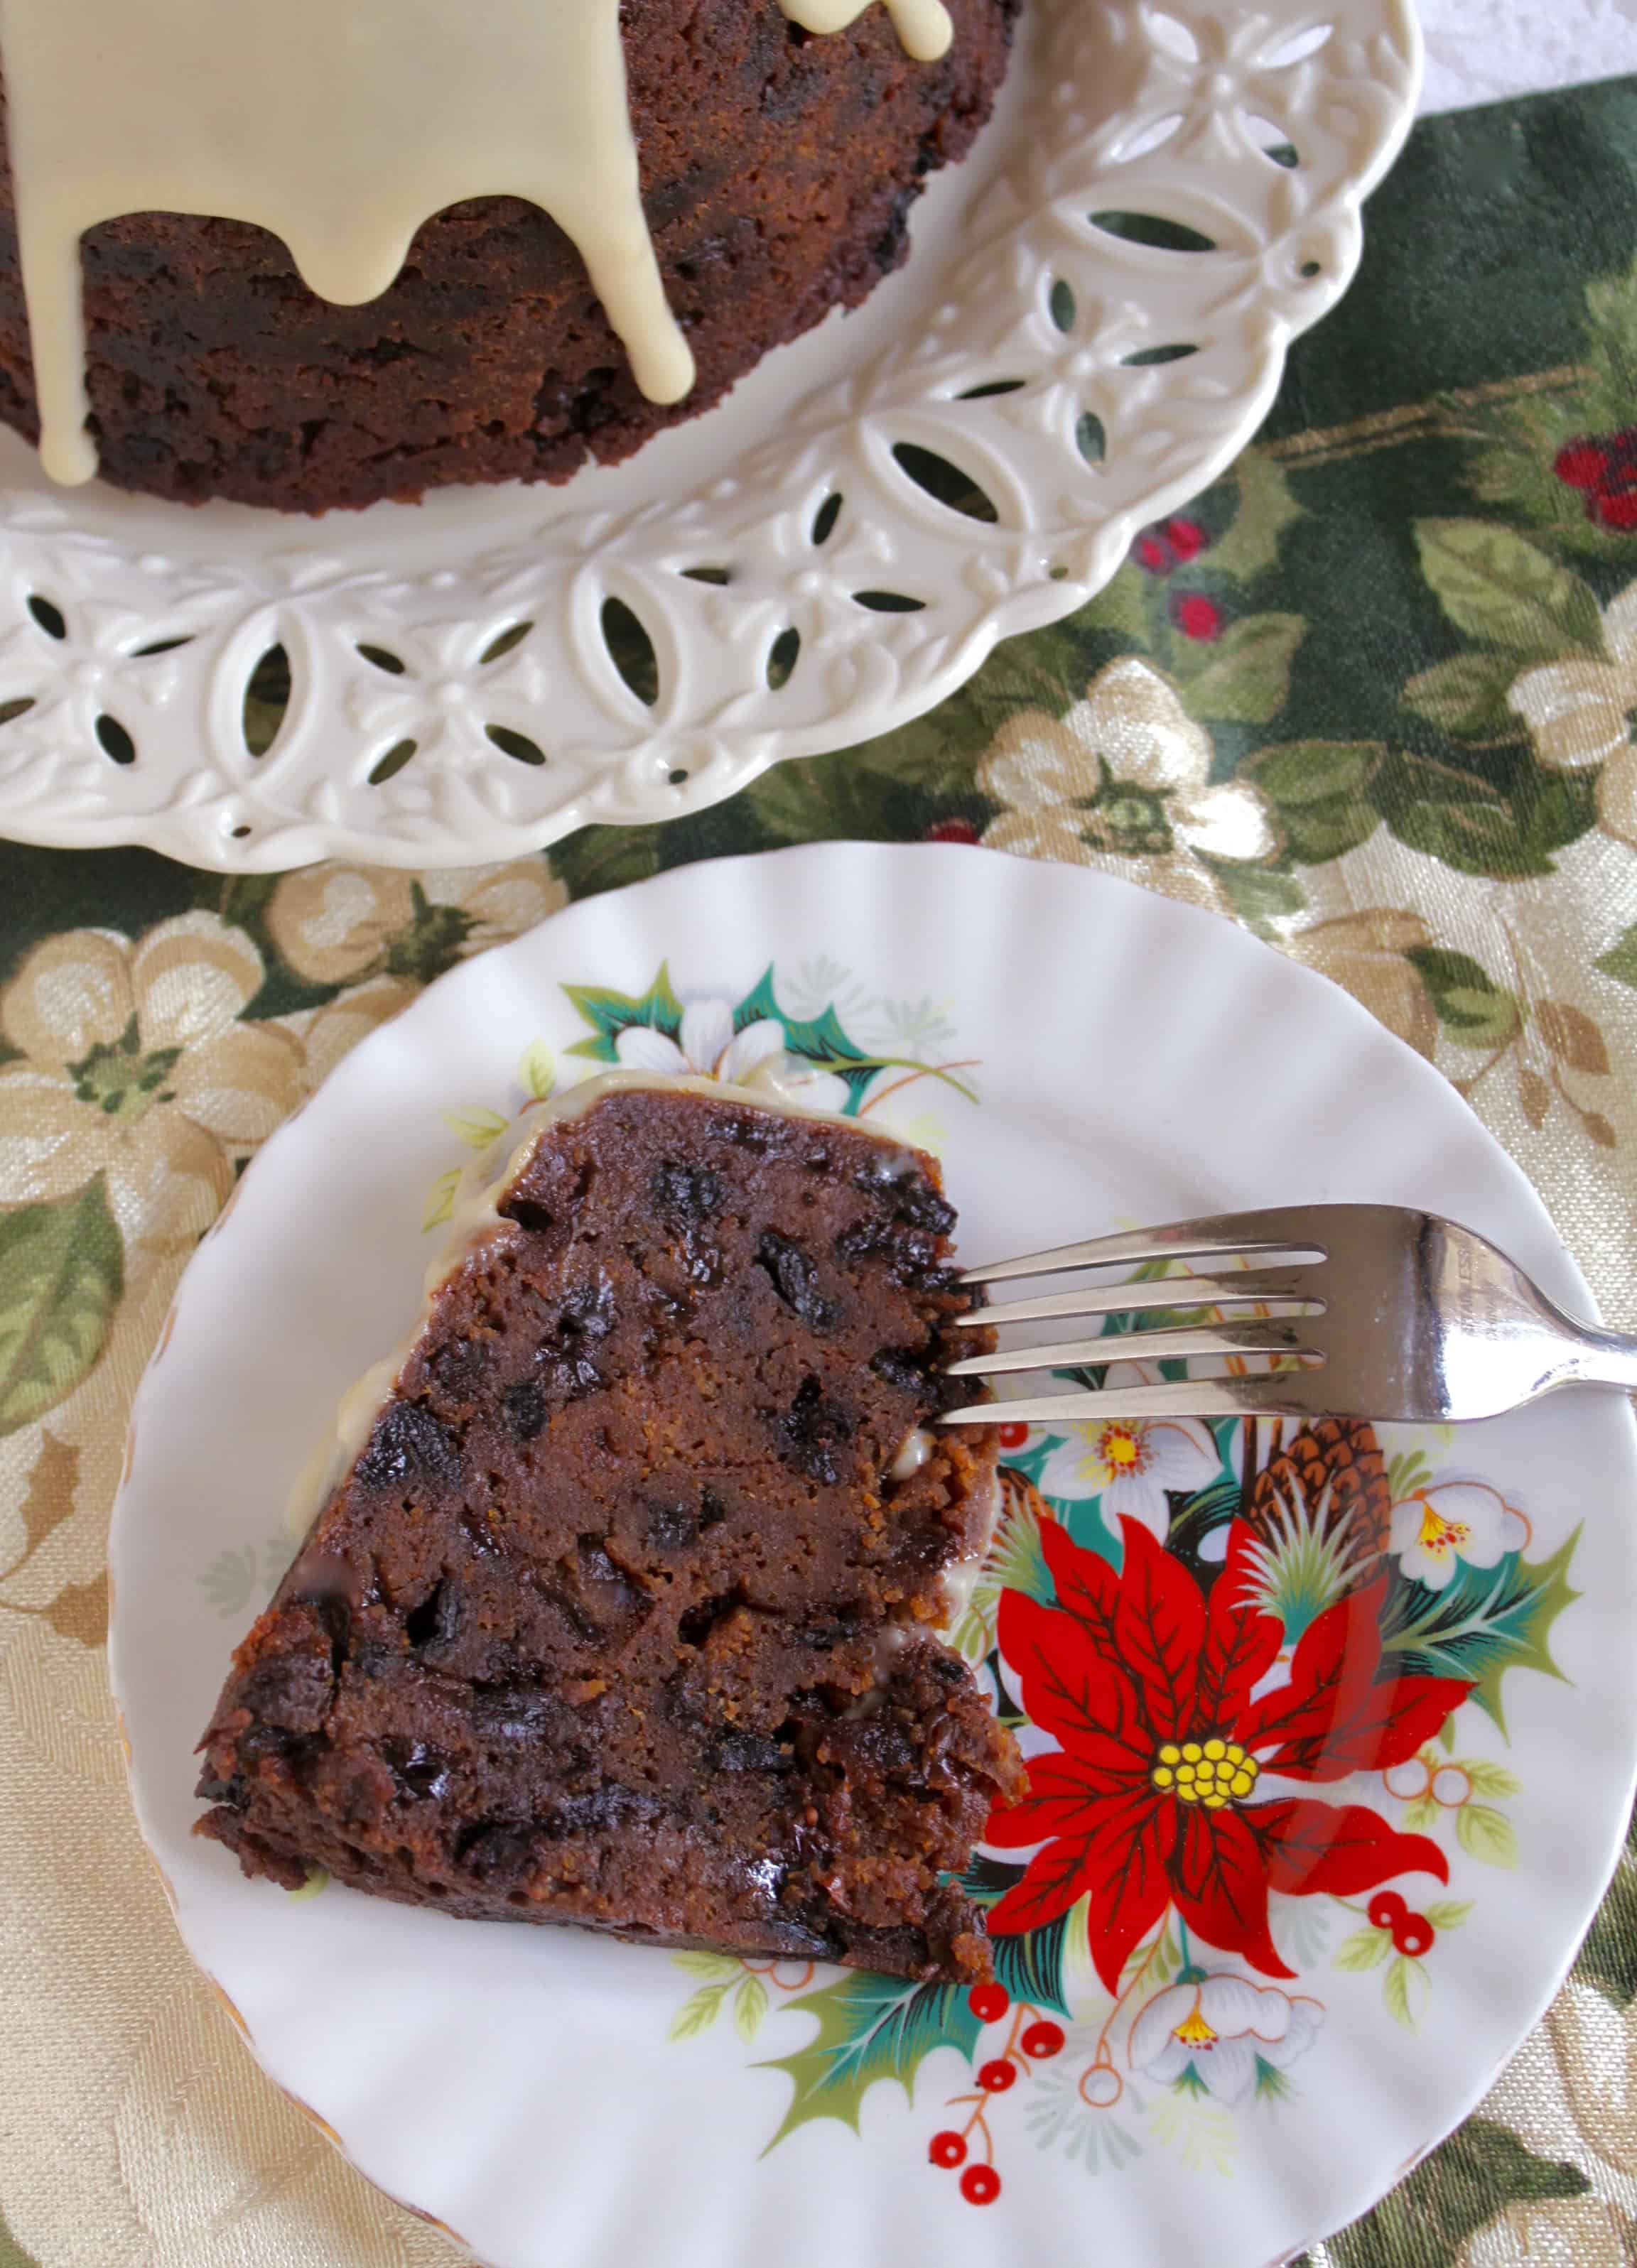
column 980, row 2185
column 996, row 2076
column 1413, row 1936
column 947, row 2149
column 988, row 2002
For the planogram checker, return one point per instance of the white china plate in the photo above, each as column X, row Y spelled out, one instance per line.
column 1027, row 346
column 1132, row 1060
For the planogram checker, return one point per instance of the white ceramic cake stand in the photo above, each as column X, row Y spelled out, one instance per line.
column 1093, row 323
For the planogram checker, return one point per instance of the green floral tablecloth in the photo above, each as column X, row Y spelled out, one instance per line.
column 1371, row 696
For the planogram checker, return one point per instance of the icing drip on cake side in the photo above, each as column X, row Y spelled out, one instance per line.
column 922, row 25
column 341, row 125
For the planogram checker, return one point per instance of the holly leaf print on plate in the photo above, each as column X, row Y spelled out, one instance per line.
column 869, row 2027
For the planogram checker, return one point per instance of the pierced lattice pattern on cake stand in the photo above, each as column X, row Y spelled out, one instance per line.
column 1174, row 195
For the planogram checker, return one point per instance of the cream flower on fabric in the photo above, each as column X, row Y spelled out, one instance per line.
column 1122, row 781
column 135, row 1064
column 1130, row 1464
column 338, row 922
column 1437, row 1528
column 1364, row 953
column 1579, row 714
column 1215, row 2030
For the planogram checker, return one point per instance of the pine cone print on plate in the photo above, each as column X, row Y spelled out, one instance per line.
column 1334, row 1472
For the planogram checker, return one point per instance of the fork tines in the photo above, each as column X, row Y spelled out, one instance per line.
column 1283, row 1292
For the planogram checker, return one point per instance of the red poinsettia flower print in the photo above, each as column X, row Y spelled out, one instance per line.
column 1147, row 1799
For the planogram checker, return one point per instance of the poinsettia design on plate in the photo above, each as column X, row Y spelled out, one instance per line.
column 1151, row 1800
column 1256, row 1734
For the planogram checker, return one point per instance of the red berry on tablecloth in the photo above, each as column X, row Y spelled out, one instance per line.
column 1582, row 464
column 947, row 2149
column 1044, row 2039
column 994, row 2078
column 1187, row 539
column 1387, row 1909
column 988, row 2001
column 980, row 2185
column 1155, row 557
column 1198, row 617
column 951, row 830
column 1619, row 511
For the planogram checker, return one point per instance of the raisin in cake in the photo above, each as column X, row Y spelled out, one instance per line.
column 624, row 1607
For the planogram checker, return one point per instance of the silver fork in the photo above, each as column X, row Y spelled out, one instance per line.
column 1394, row 1315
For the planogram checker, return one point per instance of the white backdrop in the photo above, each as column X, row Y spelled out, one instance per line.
column 1480, row 50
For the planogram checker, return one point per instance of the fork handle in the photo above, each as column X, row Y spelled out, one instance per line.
column 1602, row 1358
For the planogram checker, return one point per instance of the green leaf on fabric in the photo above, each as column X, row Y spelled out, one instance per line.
column 1472, row 1008
column 62, row 1276
column 11, row 2253
column 1487, row 1621
column 1476, row 826
column 870, row 2027
column 609, row 1013
column 1318, row 788
column 1244, row 677
column 1260, row 896
column 1620, row 960
column 1121, row 607
column 1469, row 2181
column 1466, row 697
column 598, row 858
column 1250, row 546
column 850, row 796
column 1608, row 1959
column 1498, row 587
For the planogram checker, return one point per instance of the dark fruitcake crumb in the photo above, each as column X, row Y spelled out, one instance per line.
column 777, row 176
column 620, row 1616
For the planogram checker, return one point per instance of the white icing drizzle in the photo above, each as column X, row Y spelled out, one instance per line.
column 923, row 26
column 959, row 1579
column 913, row 1451
column 341, row 126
